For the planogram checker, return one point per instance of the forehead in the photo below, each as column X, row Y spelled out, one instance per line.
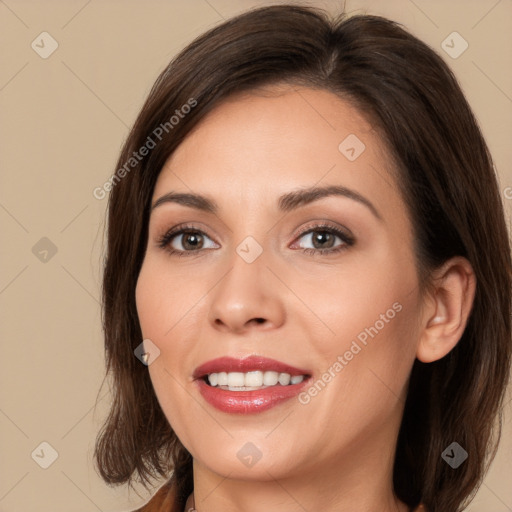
column 277, row 139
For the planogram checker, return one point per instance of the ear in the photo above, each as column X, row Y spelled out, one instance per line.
column 446, row 309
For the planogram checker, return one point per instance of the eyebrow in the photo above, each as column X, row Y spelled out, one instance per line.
column 286, row 203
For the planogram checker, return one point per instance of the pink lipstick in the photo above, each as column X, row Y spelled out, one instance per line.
column 249, row 385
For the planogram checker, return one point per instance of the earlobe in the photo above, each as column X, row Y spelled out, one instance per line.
column 447, row 313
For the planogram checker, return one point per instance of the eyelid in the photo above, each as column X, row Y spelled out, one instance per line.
column 319, row 224
column 163, row 241
column 341, row 232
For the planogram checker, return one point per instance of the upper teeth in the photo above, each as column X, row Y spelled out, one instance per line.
column 253, row 379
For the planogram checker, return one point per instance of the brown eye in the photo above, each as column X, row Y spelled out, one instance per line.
column 185, row 240
column 191, row 240
column 323, row 240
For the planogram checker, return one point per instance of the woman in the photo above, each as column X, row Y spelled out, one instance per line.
column 307, row 288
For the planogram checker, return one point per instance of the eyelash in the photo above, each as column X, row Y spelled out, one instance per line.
column 164, row 240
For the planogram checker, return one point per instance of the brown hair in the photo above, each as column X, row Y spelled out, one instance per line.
column 448, row 183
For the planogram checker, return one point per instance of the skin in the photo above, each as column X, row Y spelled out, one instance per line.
column 336, row 452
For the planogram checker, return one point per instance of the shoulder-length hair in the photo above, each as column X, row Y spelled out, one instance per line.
column 447, row 179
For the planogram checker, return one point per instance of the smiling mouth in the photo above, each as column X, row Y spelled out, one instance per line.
column 247, row 385
column 251, row 381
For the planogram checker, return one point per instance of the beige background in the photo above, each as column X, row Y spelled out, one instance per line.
column 63, row 120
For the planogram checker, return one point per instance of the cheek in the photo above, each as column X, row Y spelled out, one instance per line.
column 159, row 306
column 373, row 317
column 387, row 340
column 374, row 356
column 168, row 309
column 373, row 295
column 163, row 299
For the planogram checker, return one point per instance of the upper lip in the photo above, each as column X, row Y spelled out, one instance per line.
column 246, row 364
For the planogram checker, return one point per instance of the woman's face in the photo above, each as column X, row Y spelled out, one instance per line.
column 248, row 278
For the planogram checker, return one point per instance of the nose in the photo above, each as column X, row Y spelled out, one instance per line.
column 248, row 296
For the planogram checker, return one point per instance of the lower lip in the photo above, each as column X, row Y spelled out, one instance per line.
column 248, row 402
